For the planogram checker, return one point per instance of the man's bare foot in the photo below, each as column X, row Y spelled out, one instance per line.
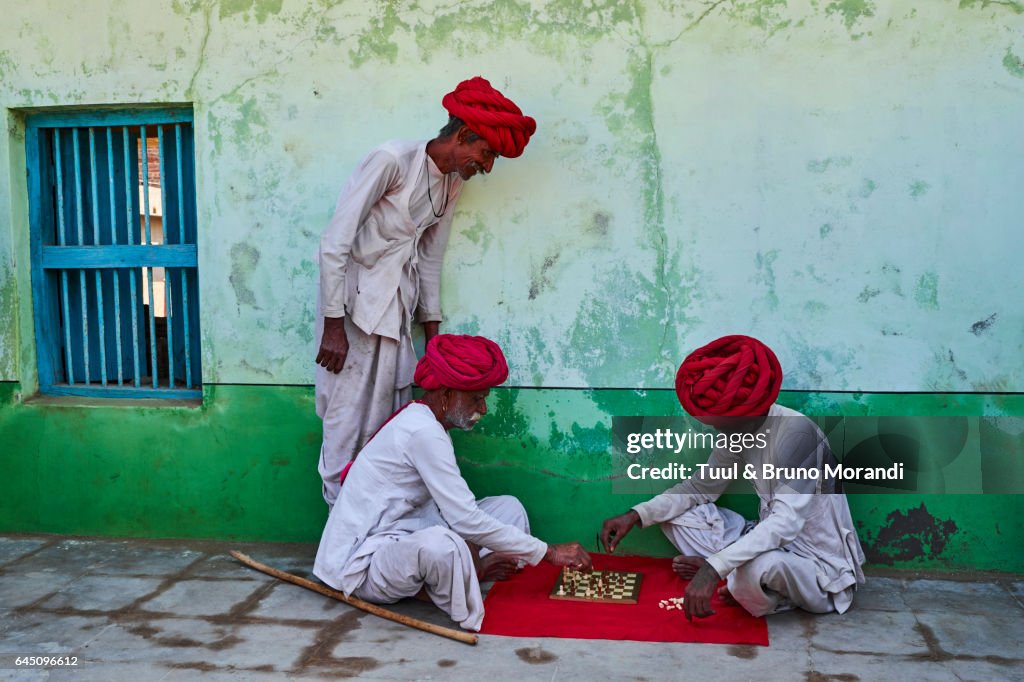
column 687, row 566
column 726, row 596
column 496, row 567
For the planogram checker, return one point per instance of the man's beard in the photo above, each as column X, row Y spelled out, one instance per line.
column 463, row 421
column 465, row 173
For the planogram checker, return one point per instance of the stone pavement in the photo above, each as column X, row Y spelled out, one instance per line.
column 144, row 610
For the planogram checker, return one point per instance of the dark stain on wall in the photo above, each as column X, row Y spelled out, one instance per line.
column 244, row 259
column 599, row 224
column 540, row 280
column 981, row 326
column 914, row 534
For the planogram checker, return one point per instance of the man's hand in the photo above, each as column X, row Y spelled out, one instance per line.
column 333, row 345
column 697, row 598
column 430, row 330
column 615, row 528
column 569, row 554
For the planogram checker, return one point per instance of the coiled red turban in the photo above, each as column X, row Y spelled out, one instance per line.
column 734, row 376
column 490, row 115
column 465, row 363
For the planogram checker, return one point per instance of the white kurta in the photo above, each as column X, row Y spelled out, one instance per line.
column 383, row 540
column 380, row 263
column 803, row 528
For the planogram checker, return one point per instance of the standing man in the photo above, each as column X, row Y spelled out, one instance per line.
column 803, row 551
column 380, row 264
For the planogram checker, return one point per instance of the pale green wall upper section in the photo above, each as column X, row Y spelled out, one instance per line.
column 842, row 178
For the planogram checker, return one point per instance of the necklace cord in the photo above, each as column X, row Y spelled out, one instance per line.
column 444, row 200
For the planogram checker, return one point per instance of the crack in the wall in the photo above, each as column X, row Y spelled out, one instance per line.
column 693, row 24
column 654, row 197
column 1012, row 5
column 190, row 91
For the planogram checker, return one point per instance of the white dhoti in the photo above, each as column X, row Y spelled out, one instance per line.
column 375, row 381
column 777, row 580
column 438, row 560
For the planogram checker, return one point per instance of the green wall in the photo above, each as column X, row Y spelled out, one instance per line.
column 243, row 466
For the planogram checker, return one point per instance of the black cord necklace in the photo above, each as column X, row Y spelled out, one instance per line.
column 444, row 200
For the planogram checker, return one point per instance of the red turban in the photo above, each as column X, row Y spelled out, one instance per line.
column 464, row 363
column 735, row 376
column 490, row 115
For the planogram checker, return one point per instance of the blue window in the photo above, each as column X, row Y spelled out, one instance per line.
column 112, row 210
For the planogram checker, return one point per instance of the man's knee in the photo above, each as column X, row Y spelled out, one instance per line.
column 439, row 546
column 699, row 531
column 777, row 578
column 507, row 509
column 769, row 570
column 511, row 503
column 514, row 511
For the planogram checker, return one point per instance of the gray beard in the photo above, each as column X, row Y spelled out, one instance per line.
column 466, row 422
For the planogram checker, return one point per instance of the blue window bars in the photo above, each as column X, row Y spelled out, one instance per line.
column 112, row 210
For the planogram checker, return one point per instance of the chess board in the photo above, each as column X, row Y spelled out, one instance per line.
column 610, row 587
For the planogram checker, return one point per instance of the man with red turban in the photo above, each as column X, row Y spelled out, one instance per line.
column 380, row 264
column 405, row 522
column 803, row 551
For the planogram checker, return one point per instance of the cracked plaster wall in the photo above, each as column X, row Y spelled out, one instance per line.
column 838, row 177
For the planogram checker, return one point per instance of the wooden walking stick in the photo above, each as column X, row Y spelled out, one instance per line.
column 458, row 635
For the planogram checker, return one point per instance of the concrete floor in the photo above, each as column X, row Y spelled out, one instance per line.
column 178, row 610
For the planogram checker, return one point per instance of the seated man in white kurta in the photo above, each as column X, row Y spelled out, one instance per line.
column 804, row 551
column 405, row 520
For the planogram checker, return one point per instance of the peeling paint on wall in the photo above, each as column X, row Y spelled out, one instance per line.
column 926, row 293
column 1014, row 64
column 919, row 188
column 914, row 535
column 258, row 9
column 699, row 169
column 244, row 258
column 867, row 188
column 1012, row 5
column 823, row 165
column 631, row 311
column 851, row 11
column 765, row 274
column 9, row 329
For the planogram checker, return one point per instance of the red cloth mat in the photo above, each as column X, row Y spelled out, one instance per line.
column 521, row 607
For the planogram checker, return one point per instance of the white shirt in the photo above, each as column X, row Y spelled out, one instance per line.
column 409, row 465
column 380, row 261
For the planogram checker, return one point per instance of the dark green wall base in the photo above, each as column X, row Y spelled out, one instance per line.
column 243, row 466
